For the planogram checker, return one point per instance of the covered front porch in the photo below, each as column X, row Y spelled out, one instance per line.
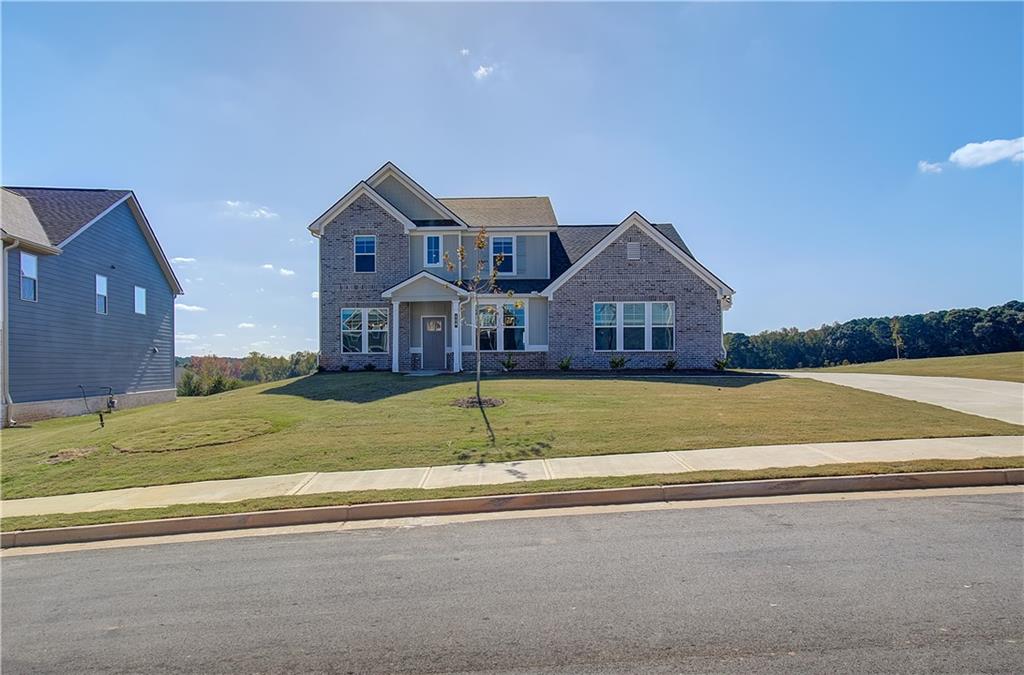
column 426, row 324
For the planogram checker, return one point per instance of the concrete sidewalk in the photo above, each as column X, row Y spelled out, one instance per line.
column 756, row 457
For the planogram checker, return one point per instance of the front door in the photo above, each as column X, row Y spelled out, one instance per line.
column 433, row 343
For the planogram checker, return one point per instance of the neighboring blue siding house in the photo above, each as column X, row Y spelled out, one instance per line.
column 88, row 304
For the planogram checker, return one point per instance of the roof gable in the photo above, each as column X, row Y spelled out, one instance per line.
column 361, row 189
column 634, row 219
column 401, row 187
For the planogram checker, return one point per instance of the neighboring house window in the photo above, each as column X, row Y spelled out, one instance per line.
column 29, row 277
column 366, row 253
column 663, row 326
column 101, row 294
column 514, row 333
column 634, row 326
column 140, row 300
column 432, row 255
column 487, row 318
column 506, row 248
column 364, row 331
column 605, row 323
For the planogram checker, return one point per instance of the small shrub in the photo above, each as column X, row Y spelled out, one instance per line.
column 343, row 367
column 370, row 366
column 508, row 363
column 565, row 363
column 720, row 364
column 670, row 363
column 617, row 362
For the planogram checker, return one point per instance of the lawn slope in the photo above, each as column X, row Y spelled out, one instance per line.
column 1008, row 366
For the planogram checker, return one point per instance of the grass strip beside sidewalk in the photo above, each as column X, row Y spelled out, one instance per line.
column 565, row 484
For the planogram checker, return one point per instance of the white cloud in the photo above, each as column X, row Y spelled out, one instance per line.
column 246, row 325
column 315, row 294
column 286, row 273
column 267, row 266
column 185, row 337
column 483, row 72
column 929, row 167
column 973, row 155
column 247, row 210
column 464, row 51
column 219, row 335
column 188, row 308
column 183, row 261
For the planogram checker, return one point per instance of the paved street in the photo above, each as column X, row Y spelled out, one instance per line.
column 987, row 398
column 918, row 583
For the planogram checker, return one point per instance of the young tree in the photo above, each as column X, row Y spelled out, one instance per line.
column 897, row 336
column 483, row 281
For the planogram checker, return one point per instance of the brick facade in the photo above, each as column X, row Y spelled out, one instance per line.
column 658, row 275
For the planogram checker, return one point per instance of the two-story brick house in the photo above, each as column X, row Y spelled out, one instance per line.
column 587, row 292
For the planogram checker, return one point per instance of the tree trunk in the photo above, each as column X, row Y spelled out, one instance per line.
column 480, row 401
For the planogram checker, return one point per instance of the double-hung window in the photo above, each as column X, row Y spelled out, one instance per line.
column 634, row 326
column 487, row 319
column 101, row 294
column 364, row 331
column 365, row 253
column 29, row 277
column 432, row 250
column 140, row 300
column 514, row 333
column 503, row 254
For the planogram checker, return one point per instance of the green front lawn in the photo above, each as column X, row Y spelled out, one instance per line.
column 1008, row 366
column 335, row 422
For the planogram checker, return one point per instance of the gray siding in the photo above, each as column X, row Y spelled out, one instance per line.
column 417, row 251
column 411, row 206
column 61, row 342
column 531, row 256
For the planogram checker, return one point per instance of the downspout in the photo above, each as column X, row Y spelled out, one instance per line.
column 5, row 329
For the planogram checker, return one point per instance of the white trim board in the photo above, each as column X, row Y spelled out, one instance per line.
column 635, row 219
column 424, row 275
column 361, row 188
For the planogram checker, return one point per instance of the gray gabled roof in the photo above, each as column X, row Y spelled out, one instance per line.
column 571, row 242
column 502, row 211
column 63, row 211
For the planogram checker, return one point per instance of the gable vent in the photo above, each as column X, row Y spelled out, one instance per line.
column 632, row 250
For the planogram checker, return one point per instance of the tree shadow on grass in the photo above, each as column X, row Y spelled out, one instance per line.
column 367, row 387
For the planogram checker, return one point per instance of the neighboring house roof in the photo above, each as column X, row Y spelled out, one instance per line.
column 503, row 211
column 58, row 215
column 63, row 211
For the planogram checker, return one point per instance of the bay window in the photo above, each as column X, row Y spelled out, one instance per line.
column 634, row 326
column 364, row 331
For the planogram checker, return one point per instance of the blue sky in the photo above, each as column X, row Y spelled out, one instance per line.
column 809, row 154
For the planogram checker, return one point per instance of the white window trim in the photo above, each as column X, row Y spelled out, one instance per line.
column 365, row 330
column 500, row 326
column 440, row 250
column 354, row 239
column 490, row 251
column 619, row 325
column 135, row 298
column 105, row 294
column 22, row 276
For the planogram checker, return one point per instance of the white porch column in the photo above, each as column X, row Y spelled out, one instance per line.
column 456, row 338
column 394, row 336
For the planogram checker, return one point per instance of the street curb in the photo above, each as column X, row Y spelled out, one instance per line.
column 515, row 502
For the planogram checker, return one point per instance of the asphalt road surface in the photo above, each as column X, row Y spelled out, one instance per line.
column 880, row 585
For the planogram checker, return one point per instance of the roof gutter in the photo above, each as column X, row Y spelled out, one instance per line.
column 6, row 402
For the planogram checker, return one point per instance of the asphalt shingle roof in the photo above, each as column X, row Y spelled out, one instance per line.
column 63, row 211
column 19, row 220
column 502, row 211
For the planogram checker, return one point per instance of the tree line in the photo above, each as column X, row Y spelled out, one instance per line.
column 952, row 332
column 206, row 375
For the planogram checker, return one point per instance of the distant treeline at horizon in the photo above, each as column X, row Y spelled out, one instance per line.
column 949, row 332
column 205, row 375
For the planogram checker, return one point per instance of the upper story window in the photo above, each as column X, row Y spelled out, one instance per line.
column 432, row 250
column 366, row 253
column 29, row 277
column 140, row 300
column 101, row 294
column 503, row 254
column 634, row 326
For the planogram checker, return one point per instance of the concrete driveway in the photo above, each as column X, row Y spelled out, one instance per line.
column 987, row 398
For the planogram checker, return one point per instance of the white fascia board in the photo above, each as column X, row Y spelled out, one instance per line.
column 635, row 219
column 318, row 225
column 425, row 275
column 389, row 169
column 517, row 229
